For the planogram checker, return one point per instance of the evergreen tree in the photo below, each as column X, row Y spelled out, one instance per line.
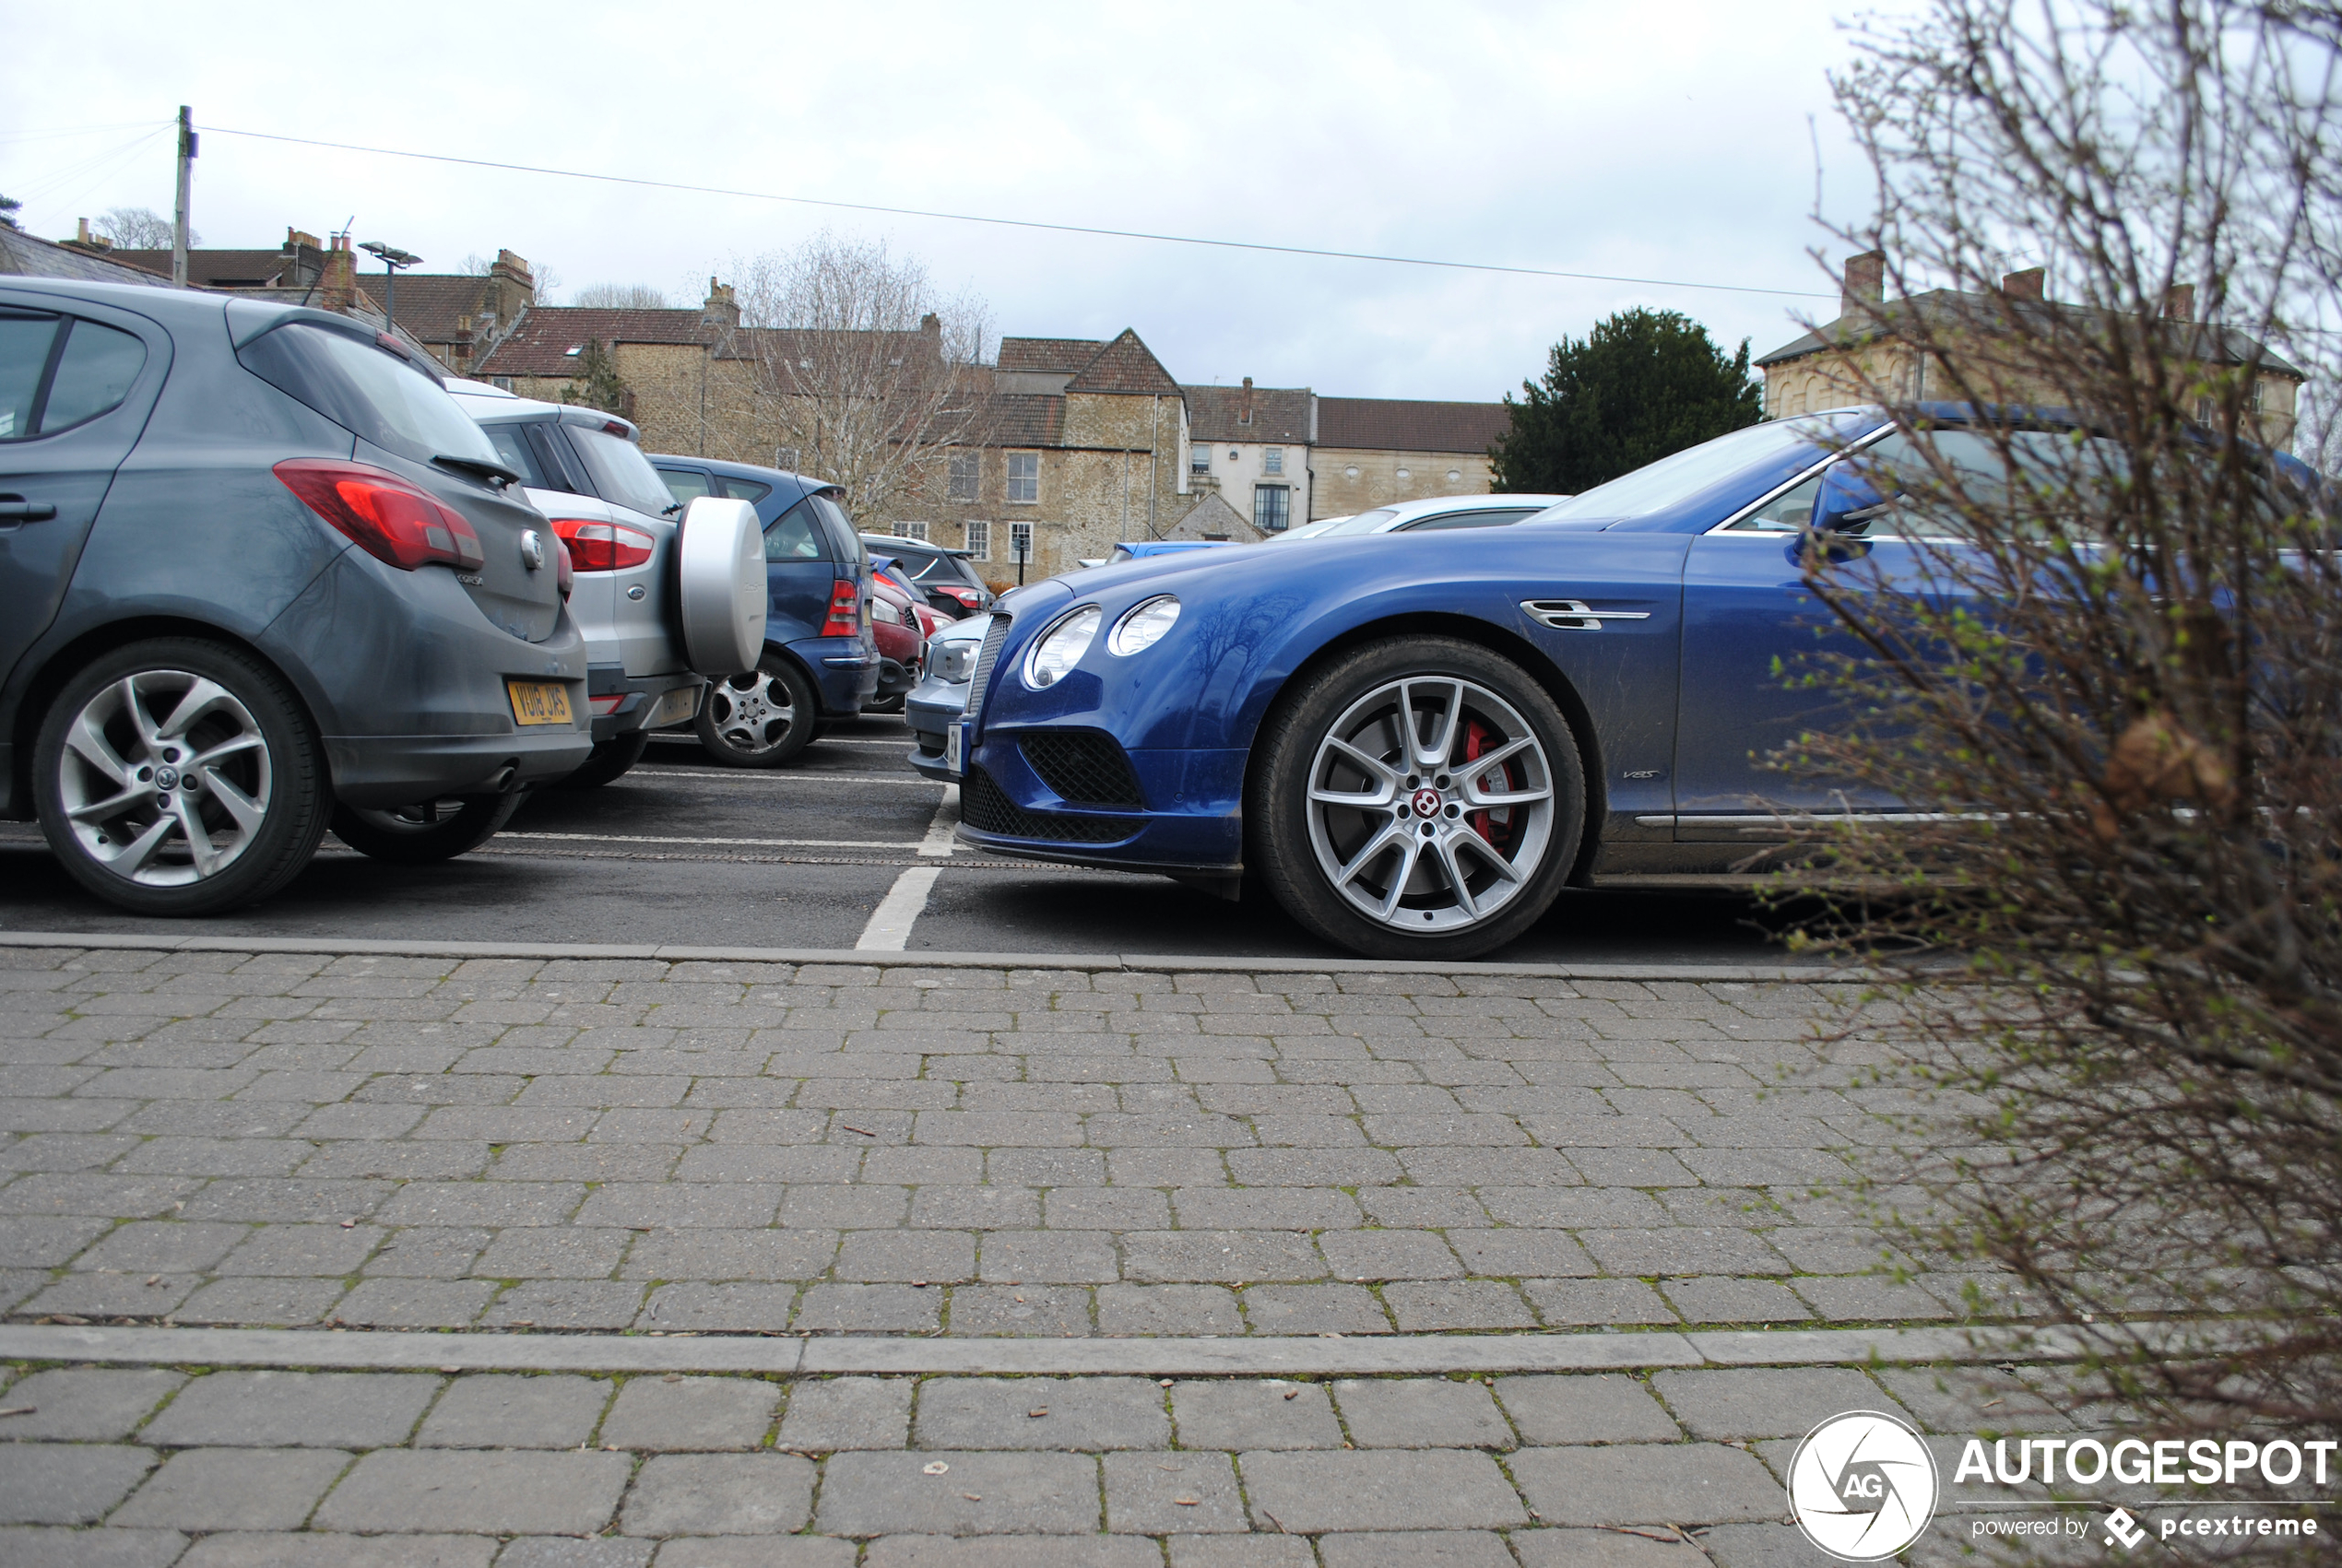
column 597, row 385
column 1642, row 384
column 10, row 206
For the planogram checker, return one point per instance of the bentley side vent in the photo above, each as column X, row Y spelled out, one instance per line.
column 1576, row 614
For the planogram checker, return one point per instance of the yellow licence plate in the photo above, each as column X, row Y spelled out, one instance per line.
column 539, row 702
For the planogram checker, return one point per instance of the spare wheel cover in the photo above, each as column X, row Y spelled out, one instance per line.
column 719, row 562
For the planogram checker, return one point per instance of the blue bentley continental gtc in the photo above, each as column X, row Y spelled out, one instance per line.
column 1415, row 741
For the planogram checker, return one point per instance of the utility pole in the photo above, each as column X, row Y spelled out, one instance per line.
column 186, row 184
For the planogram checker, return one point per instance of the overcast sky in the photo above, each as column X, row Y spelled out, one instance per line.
column 1674, row 142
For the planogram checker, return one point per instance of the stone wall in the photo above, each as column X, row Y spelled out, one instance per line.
column 1355, row 479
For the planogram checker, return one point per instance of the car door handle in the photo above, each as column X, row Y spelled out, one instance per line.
column 16, row 509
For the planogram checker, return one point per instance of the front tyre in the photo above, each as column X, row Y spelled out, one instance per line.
column 1419, row 798
column 427, row 831
column 761, row 719
column 179, row 777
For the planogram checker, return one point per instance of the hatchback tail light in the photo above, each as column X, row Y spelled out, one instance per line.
column 972, row 597
column 565, row 575
column 383, row 515
column 845, row 617
column 604, row 546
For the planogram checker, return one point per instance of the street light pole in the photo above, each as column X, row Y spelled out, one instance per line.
column 186, row 186
column 392, row 258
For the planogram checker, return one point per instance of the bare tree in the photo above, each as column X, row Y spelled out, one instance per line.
column 864, row 369
column 2091, row 634
column 138, row 228
column 622, row 297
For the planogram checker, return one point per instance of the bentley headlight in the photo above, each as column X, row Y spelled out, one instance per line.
column 1061, row 647
column 952, row 660
column 1143, row 626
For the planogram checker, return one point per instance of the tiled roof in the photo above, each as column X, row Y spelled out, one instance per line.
column 1279, row 413
column 22, row 255
column 1125, row 365
column 1024, row 418
column 1953, row 307
column 540, row 344
column 1063, row 355
column 216, row 269
column 1390, row 424
column 431, row 302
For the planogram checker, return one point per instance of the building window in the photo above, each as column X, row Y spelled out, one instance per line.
column 910, row 530
column 1273, row 460
column 1019, row 541
column 1024, row 477
column 1272, row 508
column 1200, row 459
column 980, row 540
column 1234, row 456
column 965, row 476
column 785, row 458
column 2260, row 391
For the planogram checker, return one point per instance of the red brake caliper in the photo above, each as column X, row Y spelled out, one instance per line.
column 1476, row 738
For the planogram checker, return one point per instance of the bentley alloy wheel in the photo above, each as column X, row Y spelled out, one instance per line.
column 1429, row 800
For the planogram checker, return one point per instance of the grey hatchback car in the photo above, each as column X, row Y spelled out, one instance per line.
column 258, row 574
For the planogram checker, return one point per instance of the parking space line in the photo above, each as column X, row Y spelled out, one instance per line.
column 758, row 844
column 938, row 840
column 794, row 776
column 890, row 927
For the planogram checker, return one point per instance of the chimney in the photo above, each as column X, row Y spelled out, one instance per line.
column 512, row 289
column 338, row 284
column 295, row 240
column 721, row 310
column 2179, row 303
column 1244, row 418
column 1864, row 285
column 931, row 324
column 85, row 240
column 2026, row 285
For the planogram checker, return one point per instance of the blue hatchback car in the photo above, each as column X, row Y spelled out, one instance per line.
column 1415, row 740
column 819, row 659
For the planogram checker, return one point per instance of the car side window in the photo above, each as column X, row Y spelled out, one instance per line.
column 1485, row 519
column 513, row 451
column 687, row 484
column 1787, row 512
column 57, row 373
column 796, row 535
column 738, row 489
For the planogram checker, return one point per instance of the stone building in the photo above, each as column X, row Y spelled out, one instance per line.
column 1830, row 366
column 1373, row 451
column 1251, row 446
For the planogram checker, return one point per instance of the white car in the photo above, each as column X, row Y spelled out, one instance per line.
column 637, row 598
column 1433, row 512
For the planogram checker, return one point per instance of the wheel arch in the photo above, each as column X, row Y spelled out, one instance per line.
column 1498, row 640
column 63, row 663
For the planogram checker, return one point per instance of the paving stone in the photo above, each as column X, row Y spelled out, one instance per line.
column 87, row 1405
column 877, row 1494
column 98, row 1294
column 1067, row 1256
column 734, row 1307
column 1584, row 1408
column 302, row 1250
column 1959, row 1400
column 261, row 1303
column 496, row 1411
column 1080, row 1413
column 1682, row 1249
column 225, row 1489
column 1784, row 1545
column 1158, row 1493
column 1634, row 1483
column 1417, row 1549
column 1055, row 1310
column 1241, row 1551
column 1314, row 1309
column 935, row 1257
column 503, row 1493
column 1361, row 1256
column 286, row 1409
column 692, row 1413
column 45, row 1242
column 1859, row 1299
column 719, row 1495
column 771, row 1551
column 1725, row 1299
column 157, row 1246
column 1521, row 1253
column 567, row 1304
column 1150, row 1256
column 322, row 1550
column 1253, row 1413
column 569, row 1251
column 1610, row 1548
column 898, row 1308
column 34, row 1545
column 428, row 1252
column 415, row 1304
column 1421, row 1412
column 1766, row 1401
column 826, row 1414
column 562, row 1551
column 1305, row 1494
column 56, row 1483
column 1573, row 1302
column 1167, row 1309
column 1457, row 1303
column 1012, row 1551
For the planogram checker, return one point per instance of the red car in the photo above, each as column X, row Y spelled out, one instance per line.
column 900, row 621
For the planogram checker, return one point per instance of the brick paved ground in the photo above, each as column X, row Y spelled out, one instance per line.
column 141, row 1469
column 400, row 1142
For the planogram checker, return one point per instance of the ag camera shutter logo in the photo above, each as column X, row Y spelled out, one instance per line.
column 1863, row 1486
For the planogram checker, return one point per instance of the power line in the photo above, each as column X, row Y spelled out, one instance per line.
column 1018, row 222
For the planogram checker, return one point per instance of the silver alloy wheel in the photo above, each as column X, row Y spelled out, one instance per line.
column 165, row 778
column 1431, row 804
column 754, row 717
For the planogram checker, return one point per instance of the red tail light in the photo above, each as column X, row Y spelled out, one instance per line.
column 604, row 546
column 845, row 603
column 383, row 515
column 566, row 576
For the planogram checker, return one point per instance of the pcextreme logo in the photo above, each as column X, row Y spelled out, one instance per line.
column 1863, row 1486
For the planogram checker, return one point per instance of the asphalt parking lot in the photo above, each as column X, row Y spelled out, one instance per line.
column 684, row 851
